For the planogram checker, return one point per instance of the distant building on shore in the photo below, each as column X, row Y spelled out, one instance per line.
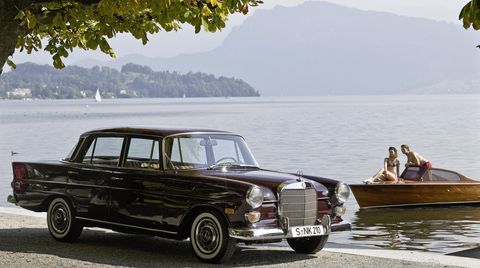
column 20, row 94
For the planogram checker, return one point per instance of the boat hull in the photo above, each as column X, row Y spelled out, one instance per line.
column 415, row 194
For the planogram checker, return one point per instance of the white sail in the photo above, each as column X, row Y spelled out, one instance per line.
column 98, row 98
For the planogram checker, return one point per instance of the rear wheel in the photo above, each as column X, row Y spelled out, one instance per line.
column 209, row 238
column 308, row 245
column 61, row 221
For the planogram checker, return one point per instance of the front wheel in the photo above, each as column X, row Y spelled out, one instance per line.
column 308, row 245
column 209, row 238
column 61, row 221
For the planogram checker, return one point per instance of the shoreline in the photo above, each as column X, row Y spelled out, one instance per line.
column 19, row 225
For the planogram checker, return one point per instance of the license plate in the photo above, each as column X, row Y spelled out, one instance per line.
column 303, row 231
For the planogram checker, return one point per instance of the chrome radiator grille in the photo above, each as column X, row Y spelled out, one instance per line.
column 299, row 205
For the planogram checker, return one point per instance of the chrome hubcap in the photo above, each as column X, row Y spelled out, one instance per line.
column 60, row 218
column 207, row 236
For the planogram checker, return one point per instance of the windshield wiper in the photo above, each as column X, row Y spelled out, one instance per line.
column 229, row 164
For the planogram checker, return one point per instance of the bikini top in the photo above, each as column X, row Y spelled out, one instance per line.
column 391, row 163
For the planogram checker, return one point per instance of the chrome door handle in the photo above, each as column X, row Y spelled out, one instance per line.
column 70, row 172
column 116, row 178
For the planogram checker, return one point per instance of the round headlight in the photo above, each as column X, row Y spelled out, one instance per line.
column 255, row 197
column 342, row 192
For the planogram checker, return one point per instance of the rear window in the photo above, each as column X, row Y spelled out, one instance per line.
column 74, row 150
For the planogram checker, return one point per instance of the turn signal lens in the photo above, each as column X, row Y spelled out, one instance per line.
column 339, row 211
column 252, row 216
column 229, row 211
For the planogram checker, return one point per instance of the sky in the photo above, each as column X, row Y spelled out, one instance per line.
column 185, row 41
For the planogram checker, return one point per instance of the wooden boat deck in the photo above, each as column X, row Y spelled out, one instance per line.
column 449, row 188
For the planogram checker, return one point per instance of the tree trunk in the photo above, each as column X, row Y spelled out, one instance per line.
column 9, row 28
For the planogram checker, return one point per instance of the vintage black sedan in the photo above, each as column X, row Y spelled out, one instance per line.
column 179, row 183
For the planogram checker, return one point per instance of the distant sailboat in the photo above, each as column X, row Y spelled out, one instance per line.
column 98, row 98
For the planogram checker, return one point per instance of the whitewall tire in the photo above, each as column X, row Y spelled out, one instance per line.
column 209, row 238
column 61, row 221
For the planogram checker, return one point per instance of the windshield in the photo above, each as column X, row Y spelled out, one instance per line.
column 195, row 151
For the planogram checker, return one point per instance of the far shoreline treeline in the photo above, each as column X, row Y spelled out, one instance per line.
column 35, row 81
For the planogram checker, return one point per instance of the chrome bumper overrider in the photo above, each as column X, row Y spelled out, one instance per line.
column 251, row 234
column 341, row 226
column 12, row 199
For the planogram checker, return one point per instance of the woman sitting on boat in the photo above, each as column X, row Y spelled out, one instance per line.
column 390, row 170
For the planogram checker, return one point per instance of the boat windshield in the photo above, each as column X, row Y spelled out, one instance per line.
column 417, row 174
column 195, row 151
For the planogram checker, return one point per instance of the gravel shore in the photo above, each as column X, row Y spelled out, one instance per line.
column 25, row 241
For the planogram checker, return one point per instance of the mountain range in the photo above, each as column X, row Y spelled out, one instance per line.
column 319, row 48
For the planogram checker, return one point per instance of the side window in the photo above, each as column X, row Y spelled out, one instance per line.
column 104, row 151
column 143, row 153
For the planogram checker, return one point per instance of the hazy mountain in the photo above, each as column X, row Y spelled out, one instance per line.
column 319, row 48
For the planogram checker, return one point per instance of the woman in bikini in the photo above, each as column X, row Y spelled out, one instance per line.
column 390, row 170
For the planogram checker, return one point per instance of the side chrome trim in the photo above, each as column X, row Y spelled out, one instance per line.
column 67, row 184
column 126, row 225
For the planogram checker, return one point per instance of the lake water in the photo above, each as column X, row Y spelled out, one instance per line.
column 345, row 138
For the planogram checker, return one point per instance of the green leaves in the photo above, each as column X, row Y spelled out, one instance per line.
column 92, row 44
column 66, row 25
column 470, row 14
column 11, row 63
column 57, row 62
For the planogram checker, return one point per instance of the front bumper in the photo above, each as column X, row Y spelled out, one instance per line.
column 265, row 234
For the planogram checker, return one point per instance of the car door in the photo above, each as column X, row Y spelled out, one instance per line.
column 137, row 187
column 89, row 177
column 183, row 155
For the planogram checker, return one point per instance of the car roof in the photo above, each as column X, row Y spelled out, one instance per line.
column 154, row 131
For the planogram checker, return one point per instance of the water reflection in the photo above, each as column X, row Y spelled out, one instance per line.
column 436, row 229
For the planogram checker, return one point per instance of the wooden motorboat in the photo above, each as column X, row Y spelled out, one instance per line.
column 417, row 187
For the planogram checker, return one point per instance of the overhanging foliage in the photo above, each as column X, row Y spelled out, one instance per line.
column 88, row 24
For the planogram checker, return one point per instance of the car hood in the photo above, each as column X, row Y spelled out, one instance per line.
column 266, row 178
